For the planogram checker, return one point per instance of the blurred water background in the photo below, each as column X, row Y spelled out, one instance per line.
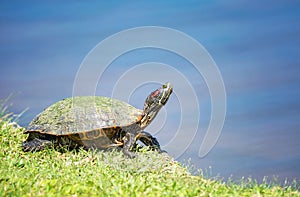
column 255, row 44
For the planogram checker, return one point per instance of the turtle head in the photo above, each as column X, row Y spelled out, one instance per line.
column 154, row 103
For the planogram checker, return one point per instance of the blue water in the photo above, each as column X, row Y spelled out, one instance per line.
column 255, row 45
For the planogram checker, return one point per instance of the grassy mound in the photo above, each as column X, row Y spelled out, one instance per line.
column 86, row 173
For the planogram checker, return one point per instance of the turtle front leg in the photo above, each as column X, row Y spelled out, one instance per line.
column 129, row 140
column 150, row 141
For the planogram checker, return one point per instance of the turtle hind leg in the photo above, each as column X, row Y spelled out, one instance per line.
column 147, row 139
column 35, row 145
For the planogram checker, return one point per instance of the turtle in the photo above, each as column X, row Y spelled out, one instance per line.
column 96, row 122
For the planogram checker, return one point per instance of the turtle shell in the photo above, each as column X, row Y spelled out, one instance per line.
column 83, row 114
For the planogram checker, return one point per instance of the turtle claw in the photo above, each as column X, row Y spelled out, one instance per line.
column 162, row 151
column 150, row 141
column 130, row 154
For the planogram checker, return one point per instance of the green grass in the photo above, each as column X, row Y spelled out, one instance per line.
column 86, row 173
